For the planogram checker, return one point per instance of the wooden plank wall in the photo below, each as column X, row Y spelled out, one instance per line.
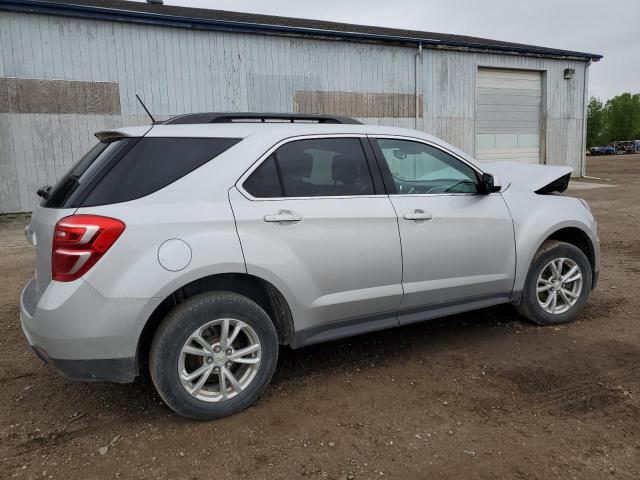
column 180, row 70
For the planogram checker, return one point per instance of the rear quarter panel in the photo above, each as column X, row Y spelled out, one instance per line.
column 194, row 209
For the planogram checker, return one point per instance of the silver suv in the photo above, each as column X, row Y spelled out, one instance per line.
column 196, row 247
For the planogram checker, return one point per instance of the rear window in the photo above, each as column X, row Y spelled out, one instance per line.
column 70, row 183
column 132, row 168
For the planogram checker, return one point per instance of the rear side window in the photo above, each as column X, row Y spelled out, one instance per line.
column 323, row 167
column 151, row 164
column 264, row 181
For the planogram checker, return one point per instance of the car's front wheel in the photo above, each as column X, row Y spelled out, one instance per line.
column 213, row 355
column 557, row 285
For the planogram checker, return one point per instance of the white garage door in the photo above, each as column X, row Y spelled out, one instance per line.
column 508, row 115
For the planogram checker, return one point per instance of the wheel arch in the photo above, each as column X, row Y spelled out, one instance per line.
column 572, row 232
column 257, row 289
column 578, row 238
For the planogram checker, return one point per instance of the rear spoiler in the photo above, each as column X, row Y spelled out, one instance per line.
column 108, row 136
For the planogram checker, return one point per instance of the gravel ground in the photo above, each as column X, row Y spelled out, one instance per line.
column 480, row 395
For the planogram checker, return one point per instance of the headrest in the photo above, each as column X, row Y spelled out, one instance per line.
column 344, row 170
column 296, row 163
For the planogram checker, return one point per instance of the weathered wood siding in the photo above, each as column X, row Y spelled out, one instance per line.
column 180, row 70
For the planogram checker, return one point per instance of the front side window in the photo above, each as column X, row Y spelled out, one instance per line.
column 418, row 168
column 322, row 167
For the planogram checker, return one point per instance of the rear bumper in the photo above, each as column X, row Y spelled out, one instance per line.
column 118, row 370
column 82, row 334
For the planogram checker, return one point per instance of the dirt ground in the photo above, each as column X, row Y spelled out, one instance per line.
column 479, row 395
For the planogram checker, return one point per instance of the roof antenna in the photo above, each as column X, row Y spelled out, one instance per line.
column 153, row 120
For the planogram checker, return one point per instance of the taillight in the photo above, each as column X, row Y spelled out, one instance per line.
column 78, row 243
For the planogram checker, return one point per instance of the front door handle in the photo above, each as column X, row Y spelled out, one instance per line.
column 417, row 215
column 283, row 216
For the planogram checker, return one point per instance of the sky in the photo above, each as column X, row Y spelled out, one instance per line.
column 607, row 27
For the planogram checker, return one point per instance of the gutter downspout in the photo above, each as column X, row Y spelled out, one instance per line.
column 417, row 89
column 583, row 156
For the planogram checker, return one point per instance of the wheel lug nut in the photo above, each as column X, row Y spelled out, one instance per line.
column 217, row 349
column 209, row 360
column 228, row 364
column 229, row 351
column 216, row 369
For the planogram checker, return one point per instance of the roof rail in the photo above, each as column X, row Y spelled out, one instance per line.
column 255, row 117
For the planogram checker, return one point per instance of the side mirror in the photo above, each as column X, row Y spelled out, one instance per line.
column 488, row 184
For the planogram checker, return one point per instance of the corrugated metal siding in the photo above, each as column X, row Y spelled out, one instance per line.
column 184, row 70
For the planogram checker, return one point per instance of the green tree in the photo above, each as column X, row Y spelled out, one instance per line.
column 622, row 117
column 595, row 123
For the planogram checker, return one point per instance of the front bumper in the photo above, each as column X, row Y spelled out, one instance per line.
column 82, row 334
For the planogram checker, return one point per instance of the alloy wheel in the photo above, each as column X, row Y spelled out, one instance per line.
column 219, row 360
column 559, row 285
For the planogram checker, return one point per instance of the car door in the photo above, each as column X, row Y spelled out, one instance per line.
column 457, row 245
column 314, row 222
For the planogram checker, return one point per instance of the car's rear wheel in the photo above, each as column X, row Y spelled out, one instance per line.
column 557, row 285
column 213, row 355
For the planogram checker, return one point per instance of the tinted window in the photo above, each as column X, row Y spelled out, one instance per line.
column 418, row 168
column 264, row 181
column 78, row 174
column 151, row 164
column 324, row 167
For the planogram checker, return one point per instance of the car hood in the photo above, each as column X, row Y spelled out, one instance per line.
column 530, row 177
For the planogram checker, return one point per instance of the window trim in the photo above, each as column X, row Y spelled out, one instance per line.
column 360, row 136
column 386, row 173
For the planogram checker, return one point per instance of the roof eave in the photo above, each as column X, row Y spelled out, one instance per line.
column 133, row 16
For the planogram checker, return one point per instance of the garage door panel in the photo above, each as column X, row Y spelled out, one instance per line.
column 508, row 92
column 510, row 84
column 508, row 108
column 515, row 127
column 492, row 141
column 508, row 115
column 514, row 155
column 508, row 100
column 500, row 118
column 508, row 79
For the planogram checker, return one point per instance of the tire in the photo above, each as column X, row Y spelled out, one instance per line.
column 530, row 305
column 170, row 365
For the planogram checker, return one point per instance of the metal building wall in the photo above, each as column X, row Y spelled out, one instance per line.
column 450, row 90
column 182, row 70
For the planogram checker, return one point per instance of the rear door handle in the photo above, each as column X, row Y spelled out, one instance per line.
column 283, row 216
column 418, row 214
